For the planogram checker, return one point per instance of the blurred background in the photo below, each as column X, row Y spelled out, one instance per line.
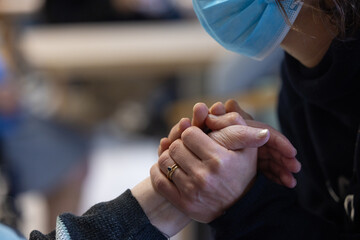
column 88, row 88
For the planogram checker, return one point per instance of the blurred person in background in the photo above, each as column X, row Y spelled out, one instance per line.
column 107, row 100
column 41, row 152
column 8, row 120
column 38, row 153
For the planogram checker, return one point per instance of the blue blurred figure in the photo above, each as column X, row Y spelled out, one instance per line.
column 39, row 154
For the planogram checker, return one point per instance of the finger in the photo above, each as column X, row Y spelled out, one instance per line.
column 184, row 157
column 219, row 122
column 232, row 106
column 200, row 112
column 291, row 164
column 200, row 143
column 179, row 176
column 285, row 177
column 237, row 137
column 217, row 109
column 163, row 186
column 178, row 129
column 264, row 167
column 165, row 161
column 277, row 140
column 164, row 144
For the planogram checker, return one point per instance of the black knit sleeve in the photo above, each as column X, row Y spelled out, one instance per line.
column 121, row 218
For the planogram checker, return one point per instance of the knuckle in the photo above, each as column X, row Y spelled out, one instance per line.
column 188, row 133
column 205, row 181
column 163, row 159
column 174, row 147
column 201, row 179
column 189, row 189
column 159, row 184
column 236, row 118
column 202, row 183
column 215, row 165
column 190, row 192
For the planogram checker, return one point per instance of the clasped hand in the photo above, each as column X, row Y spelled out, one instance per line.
column 217, row 169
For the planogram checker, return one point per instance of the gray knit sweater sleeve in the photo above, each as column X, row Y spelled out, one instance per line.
column 120, row 219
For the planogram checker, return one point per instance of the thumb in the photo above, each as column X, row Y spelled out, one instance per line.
column 238, row 137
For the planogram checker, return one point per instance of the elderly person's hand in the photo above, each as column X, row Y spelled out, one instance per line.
column 276, row 159
column 210, row 178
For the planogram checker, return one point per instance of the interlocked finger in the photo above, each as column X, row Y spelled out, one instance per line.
column 171, row 170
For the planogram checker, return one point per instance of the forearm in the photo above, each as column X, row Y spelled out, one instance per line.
column 122, row 218
column 161, row 213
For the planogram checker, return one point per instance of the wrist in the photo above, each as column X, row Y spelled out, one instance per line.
column 161, row 213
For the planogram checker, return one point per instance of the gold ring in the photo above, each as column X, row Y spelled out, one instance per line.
column 171, row 170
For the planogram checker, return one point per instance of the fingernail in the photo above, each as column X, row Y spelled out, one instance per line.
column 263, row 133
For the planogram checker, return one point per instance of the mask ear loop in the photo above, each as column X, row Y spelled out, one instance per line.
column 283, row 12
column 292, row 27
column 286, row 17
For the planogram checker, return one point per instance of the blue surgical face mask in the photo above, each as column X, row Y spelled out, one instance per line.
column 250, row 27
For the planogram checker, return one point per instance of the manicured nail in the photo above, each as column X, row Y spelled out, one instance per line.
column 263, row 133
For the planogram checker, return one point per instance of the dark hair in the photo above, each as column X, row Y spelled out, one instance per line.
column 344, row 14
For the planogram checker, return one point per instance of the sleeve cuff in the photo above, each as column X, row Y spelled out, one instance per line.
column 121, row 218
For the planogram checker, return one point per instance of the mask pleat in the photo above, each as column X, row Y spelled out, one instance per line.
column 250, row 27
column 238, row 26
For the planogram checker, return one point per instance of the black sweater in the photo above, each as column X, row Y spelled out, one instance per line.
column 319, row 111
